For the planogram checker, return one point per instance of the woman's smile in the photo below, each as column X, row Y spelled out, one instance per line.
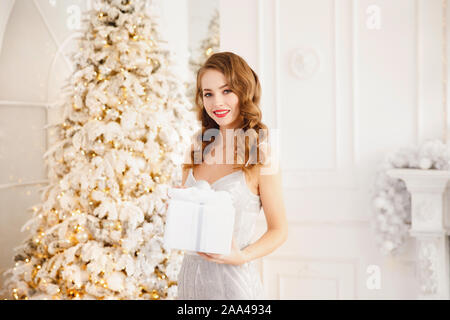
column 221, row 113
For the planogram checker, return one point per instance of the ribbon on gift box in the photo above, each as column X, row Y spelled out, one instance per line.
column 204, row 221
column 202, row 192
column 201, row 223
column 200, row 233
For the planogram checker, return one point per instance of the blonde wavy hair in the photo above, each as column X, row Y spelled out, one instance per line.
column 244, row 82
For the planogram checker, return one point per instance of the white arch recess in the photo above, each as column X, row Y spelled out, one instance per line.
column 6, row 7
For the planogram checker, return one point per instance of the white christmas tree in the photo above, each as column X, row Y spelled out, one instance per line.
column 97, row 233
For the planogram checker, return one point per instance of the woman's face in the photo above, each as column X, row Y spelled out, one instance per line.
column 220, row 102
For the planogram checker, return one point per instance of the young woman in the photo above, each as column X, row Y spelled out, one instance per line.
column 228, row 95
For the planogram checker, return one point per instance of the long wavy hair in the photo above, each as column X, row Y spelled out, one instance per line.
column 244, row 82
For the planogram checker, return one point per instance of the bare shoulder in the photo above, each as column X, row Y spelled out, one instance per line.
column 270, row 169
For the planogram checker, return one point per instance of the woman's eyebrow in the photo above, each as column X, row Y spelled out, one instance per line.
column 226, row 84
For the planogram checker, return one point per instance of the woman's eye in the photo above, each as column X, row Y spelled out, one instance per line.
column 226, row 90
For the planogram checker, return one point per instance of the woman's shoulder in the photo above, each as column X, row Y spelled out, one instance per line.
column 270, row 165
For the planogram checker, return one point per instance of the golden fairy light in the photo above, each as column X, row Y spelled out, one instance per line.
column 155, row 295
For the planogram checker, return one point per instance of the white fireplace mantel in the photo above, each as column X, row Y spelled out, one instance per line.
column 430, row 226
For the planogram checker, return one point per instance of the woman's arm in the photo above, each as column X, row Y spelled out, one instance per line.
column 184, row 176
column 270, row 188
column 272, row 201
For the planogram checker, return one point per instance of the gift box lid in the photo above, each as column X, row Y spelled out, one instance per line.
column 200, row 192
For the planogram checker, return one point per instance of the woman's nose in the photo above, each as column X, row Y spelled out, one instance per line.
column 217, row 101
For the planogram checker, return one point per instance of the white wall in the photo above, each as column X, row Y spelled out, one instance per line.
column 173, row 27
column 199, row 15
column 342, row 94
column 6, row 7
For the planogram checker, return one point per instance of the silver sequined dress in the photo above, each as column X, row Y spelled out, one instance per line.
column 200, row 279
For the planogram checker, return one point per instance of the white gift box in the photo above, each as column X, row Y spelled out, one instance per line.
column 199, row 219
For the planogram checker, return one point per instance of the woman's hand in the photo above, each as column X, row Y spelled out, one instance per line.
column 235, row 257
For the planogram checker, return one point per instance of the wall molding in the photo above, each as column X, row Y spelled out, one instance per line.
column 341, row 174
column 23, row 184
column 307, row 268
